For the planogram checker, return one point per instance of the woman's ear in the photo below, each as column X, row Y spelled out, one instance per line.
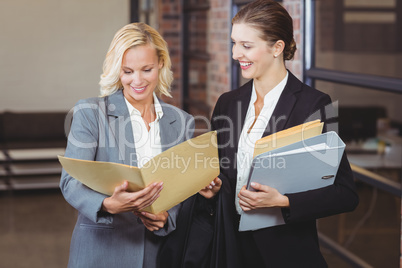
column 160, row 64
column 278, row 48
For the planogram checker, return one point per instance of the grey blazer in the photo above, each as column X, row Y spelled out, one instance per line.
column 101, row 130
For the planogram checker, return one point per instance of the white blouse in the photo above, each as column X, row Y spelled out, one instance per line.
column 147, row 143
column 247, row 140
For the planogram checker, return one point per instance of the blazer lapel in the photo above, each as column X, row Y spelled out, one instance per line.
column 168, row 126
column 120, row 128
column 239, row 111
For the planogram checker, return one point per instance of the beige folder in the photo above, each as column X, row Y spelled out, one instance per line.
column 288, row 136
column 184, row 169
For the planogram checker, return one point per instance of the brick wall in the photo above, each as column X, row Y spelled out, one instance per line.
column 218, row 45
column 197, row 65
column 295, row 9
column 169, row 20
column 219, row 49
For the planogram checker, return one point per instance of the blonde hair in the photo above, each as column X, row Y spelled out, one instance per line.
column 132, row 35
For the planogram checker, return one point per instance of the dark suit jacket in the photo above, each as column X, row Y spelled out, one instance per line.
column 294, row 244
column 200, row 241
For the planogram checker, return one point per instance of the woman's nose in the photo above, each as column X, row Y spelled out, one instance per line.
column 137, row 79
column 235, row 53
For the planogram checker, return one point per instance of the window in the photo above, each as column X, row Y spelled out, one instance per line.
column 353, row 52
column 359, row 36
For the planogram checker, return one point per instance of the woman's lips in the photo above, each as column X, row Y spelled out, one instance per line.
column 139, row 89
column 245, row 65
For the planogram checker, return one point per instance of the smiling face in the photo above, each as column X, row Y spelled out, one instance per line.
column 139, row 74
column 255, row 56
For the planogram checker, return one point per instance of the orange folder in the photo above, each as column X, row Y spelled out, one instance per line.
column 288, row 136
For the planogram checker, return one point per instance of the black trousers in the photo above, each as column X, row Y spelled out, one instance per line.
column 250, row 254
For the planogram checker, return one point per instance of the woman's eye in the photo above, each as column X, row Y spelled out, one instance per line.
column 147, row 70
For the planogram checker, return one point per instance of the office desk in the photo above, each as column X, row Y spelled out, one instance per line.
column 374, row 161
column 389, row 158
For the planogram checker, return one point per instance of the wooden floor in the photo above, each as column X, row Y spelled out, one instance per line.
column 35, row 229
column 372, row 232
column 36, row 226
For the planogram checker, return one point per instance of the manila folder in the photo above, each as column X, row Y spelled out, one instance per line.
column 184, row 169
column 288, row 136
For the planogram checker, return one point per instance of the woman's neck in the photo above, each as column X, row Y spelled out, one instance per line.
column 270, row 80
column 146, row 109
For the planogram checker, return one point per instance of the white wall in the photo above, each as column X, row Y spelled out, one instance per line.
column 52, row 51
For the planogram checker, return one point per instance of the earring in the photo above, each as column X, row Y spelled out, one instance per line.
column 275, row 56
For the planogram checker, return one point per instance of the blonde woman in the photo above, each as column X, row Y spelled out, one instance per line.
column 127, row 124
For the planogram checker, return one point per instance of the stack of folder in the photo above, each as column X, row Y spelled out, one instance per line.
column 293, row 160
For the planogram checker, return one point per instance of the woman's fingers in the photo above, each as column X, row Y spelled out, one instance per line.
column 218, row 182
column 146, row 196
column 153, row 195
column 151, row 221
column 121, row 188
column 150, row 190
column 245, row 206
column 211, row 189
column 149, row 216
column 245, row 194
column 155, row 217
column 260, row 187
column 245, row 201
column 147, row 202
column 249, row 199
column 263, row 196
column 211, row 184
column 122, row 200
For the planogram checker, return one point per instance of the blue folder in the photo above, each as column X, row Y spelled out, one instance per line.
column 306, row 165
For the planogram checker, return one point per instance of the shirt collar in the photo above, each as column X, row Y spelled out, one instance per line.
column 157, row 106
column 273, row 94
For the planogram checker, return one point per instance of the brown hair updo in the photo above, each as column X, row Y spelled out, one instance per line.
column 272, row 20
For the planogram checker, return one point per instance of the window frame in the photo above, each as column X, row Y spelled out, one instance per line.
column 311, row 73
column 188, row 55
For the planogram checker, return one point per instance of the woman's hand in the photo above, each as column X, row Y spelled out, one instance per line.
column 123, row 201
column 212, row 189
column 153, row 222
column 264, row 196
